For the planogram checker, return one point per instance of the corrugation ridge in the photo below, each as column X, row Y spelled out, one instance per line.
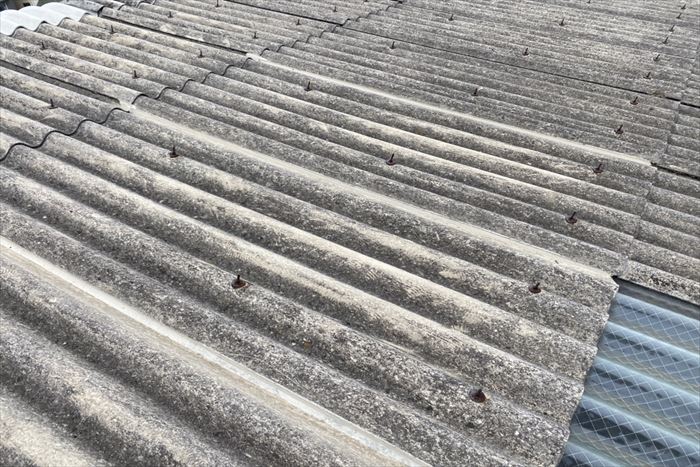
column 290, row 364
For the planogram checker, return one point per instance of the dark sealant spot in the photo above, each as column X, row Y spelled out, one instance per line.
column 239, row 283
column 477, row 395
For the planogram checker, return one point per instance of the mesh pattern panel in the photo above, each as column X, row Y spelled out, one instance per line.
column 641, row 404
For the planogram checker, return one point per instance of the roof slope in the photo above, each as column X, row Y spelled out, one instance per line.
column 155, row 152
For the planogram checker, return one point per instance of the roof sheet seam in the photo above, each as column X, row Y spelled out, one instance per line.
column 64, row 133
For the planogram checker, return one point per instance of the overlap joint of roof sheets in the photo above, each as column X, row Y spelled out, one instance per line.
column 275, row 232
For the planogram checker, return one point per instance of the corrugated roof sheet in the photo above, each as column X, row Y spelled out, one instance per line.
column 640, row 404
column 156, row 151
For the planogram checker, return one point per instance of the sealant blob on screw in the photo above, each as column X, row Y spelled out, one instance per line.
column 572, row 219
column 239, row 283
column 477, row 395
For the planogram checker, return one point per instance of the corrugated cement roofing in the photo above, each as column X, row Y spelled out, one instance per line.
column 425, row 204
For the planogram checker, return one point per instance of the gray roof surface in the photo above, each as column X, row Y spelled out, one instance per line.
column 153, row 151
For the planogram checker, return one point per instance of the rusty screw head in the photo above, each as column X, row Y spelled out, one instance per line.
column 598, row 170
column 572, row 219
column 535, row 288
column 239, row 283
column 308, row 343
column 390, row 161
column 477, row 395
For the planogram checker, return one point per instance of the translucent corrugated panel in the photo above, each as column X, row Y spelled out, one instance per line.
column 641, row 403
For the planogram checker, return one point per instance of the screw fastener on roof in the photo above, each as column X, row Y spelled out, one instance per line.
column 239, row 283
column 477, row 395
